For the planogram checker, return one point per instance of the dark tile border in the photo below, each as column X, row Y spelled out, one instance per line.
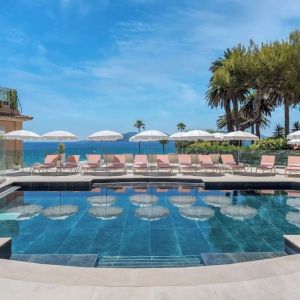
column 215, row 185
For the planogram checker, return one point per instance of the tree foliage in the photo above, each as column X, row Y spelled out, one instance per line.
column 250, row 82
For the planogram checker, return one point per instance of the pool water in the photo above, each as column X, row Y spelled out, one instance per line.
column 149, row 221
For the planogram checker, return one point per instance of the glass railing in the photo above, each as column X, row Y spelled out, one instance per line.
column 26, row 158
column 2, row 156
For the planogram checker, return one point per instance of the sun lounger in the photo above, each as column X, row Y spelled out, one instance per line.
column 93, row 162
column 117, row 164
column 230, row 164
column 185, row 163
column 49, row 163
column 206, row 163
column 162, row 190
column 267, row 163
column 184, row 189
column 71, row 164
column 293, row 165
column 140, row 163
column 163, row 163
column 293, row 194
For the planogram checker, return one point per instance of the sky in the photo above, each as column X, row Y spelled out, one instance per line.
column 89, row 65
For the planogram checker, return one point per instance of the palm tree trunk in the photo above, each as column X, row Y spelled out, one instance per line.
column 286, row 117
column 257, row 130
column 229, row 121
column 236, row 113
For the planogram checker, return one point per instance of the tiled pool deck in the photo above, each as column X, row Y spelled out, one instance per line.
column 275, row 278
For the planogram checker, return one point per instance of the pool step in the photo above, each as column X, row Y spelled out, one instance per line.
column 238, row 257
column 75, row 260
column 149, row 261
column 8, row 190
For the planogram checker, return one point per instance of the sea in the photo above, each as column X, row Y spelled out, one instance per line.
column 36, row 151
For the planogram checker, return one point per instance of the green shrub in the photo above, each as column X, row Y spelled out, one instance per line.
column 271, row 143
column 61, row 148
column 212, row 147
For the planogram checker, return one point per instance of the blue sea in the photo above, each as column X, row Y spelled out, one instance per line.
column 36, row 151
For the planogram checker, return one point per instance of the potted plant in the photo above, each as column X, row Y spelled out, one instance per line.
column 17, row 162
column 61, row 152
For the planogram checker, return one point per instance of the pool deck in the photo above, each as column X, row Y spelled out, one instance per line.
column 211, row 180
column 276, row 278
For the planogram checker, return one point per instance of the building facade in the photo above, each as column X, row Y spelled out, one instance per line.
column 11, row 118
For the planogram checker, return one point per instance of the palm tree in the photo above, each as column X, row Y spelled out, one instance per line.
column 267, row 106
column 278, row 131
column 296, row 126
column 181, row 126
column 164, row 142
column 139, row 124
column 225, row 88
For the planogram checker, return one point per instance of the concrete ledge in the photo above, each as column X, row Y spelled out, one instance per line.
column 5, row 248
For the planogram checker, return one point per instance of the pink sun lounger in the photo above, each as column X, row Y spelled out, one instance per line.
column 185, row 163
column 140, row 163
column 163, row 163
column 293, row 165
column 267, row 163
column 118, row 163
column 230, row 164
column 72, row 163
column 93, row 162
column 206, row 163
column 50, row 162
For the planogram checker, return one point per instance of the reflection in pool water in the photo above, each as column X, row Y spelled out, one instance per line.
column 199, row 213
column 101, row 200
column 239, row 212
column 294, row 202
column 293, row 218
column 216, row 222
column 217, row 201
column 182, row 201
column 26, row 211
column 60, row 212
column 106, row 212
column 151, row 213
column 143, row 199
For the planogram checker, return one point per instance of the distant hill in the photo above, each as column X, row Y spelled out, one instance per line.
column 127, row 136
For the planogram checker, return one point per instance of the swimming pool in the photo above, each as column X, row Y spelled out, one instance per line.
column 147, row 220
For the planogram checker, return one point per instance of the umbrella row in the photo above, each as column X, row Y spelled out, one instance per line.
column 193, row 135
column 147, row 135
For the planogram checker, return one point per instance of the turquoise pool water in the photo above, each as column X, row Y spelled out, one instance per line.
column 149, row 221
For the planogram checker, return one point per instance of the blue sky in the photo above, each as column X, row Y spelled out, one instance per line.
column 88, row 65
